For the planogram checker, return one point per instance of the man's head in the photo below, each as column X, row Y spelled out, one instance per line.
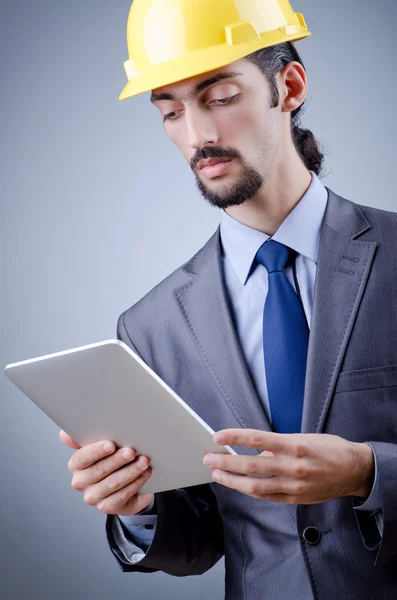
column 245, row 113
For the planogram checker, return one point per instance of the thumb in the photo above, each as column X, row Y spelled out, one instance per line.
column 67, row 440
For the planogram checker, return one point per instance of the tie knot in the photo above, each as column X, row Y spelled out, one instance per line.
column 273, row 256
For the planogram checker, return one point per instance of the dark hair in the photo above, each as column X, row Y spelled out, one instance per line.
column 271, row 61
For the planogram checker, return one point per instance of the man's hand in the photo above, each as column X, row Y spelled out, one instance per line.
column 304, row 468
column 109, row 478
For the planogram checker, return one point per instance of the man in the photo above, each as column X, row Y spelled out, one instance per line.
column 280, row 333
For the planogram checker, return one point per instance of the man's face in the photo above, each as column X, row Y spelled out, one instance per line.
column 229, row 119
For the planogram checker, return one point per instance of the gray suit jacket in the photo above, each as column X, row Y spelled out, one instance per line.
column 184, row 331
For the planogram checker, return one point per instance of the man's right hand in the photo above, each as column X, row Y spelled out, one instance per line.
column 109, row 480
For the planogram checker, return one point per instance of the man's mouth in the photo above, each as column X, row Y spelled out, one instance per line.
column 215, row 167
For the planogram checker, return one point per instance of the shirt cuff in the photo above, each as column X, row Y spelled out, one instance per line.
column 128, row 551
column 374, row 501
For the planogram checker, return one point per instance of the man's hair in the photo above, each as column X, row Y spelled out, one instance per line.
column 271, row 61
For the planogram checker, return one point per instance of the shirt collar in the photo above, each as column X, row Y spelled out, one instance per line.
column 301, row 231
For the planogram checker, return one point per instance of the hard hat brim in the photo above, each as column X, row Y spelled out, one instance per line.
column 202, row 61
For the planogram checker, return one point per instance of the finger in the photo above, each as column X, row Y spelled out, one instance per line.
column 243, row 464
column 67, row 440
column 118, row 480
column 89, row 454
column 255, row 438
column 102, row 468
column 256, row 486
column 115, row 503
column 280, row 465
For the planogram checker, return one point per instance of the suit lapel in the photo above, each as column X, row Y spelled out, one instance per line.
column 205, row 309
column 343, row 268
column 342, row 271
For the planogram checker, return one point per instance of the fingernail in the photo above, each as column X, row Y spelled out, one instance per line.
column 208, row 460
column 127, row 454
column 216, row 475
column 142, row 462
column 108, row 447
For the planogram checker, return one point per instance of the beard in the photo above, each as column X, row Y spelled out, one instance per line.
column 233, row 194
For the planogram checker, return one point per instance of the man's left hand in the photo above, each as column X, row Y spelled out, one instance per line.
column 303, row 468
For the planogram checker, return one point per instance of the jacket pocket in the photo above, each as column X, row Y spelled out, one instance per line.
column 367, row 379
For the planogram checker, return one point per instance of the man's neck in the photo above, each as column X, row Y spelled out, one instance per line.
column 271, row 206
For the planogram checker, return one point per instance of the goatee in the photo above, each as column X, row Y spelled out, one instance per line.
column 234, row 194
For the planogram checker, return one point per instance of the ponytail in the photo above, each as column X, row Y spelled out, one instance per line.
column 271, row 61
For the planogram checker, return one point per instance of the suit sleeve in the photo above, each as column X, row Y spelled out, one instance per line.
column 188, row 539
column 379, row 528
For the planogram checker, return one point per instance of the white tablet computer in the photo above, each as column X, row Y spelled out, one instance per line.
column 104, row 391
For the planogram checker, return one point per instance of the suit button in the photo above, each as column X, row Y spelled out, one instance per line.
column 311, row 535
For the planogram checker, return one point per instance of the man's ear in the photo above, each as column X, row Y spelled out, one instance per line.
column 292, row 86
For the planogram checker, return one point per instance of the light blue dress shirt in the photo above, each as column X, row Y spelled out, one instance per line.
column 247, row 284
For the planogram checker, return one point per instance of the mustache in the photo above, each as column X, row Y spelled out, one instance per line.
column 213, row 152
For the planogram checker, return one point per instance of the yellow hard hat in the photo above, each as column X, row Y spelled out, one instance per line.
column 171, row 40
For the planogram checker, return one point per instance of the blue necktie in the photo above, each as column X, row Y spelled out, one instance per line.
column 285, row 341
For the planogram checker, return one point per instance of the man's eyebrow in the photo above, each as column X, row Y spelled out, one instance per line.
column 199, row 87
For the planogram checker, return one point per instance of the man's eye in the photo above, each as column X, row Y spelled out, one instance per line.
column 171, row 116
column 225, row 100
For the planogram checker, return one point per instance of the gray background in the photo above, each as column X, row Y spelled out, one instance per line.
column 97, row 207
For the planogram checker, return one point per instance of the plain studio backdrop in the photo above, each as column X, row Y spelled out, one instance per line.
column 98, row 206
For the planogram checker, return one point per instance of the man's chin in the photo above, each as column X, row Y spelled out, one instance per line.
column 225, row 194
column 222, row 201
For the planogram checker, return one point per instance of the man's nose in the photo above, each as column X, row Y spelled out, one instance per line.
column 201, row 129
